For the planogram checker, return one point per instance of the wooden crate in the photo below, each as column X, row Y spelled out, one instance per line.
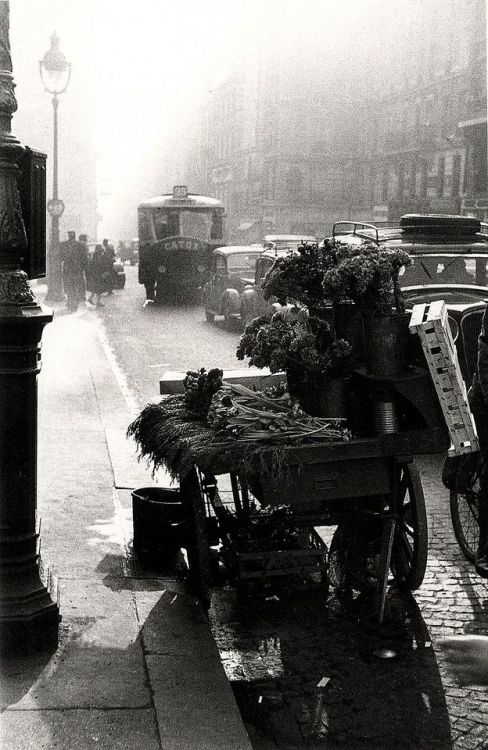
column 312, row 558
column 430, row 322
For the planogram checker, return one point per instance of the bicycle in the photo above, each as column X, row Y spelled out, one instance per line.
column 464, row 499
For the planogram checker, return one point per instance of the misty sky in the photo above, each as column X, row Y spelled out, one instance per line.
column 140, row 70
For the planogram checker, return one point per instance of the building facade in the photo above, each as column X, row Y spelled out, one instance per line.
column 390, row 123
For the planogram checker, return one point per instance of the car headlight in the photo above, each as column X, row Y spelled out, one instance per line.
column 454, row 327
column 161, row 269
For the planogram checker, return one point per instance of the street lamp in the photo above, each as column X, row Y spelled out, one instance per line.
column 55, row 73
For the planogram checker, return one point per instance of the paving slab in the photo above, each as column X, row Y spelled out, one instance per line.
column 130, row 729
column 174, row 624
column 194, row 706
column 99, row 662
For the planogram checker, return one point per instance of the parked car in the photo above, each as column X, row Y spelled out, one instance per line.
column 450, row 259
column 232, row 271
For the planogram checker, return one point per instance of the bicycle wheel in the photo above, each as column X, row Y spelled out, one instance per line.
column 464, row 517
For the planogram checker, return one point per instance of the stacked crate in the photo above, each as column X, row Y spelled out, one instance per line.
column 430, row 322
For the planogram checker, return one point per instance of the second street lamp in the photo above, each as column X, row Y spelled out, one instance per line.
column 55, row 73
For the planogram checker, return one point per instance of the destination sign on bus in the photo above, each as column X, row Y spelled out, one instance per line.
column 180, row 191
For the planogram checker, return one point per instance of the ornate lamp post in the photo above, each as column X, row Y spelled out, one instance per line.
column 55, row 73
column 29, row 619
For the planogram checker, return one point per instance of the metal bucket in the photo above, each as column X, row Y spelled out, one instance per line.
column 386, row 342
column 159, row 524
column 348, row 325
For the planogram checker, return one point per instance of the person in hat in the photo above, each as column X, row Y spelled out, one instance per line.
column 96, row 271
column 74, row 258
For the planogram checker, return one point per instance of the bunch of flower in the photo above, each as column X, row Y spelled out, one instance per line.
column 366, row 274
column 284, row 344
column 297, row 276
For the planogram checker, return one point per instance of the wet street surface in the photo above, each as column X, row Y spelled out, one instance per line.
column 302, row 666
column 277, row 652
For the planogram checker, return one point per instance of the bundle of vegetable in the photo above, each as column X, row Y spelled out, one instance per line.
column 200, row 387
column 252, row 416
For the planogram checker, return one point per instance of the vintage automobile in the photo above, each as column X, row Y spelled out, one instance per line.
column 450, row 257
column 232, row 271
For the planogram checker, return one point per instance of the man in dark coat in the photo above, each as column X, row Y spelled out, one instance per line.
column 74, row 257
column 478, row 400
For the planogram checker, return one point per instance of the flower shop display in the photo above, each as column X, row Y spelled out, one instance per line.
column 307, row 350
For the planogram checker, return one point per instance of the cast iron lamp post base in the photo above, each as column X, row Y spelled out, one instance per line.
column 29, row 618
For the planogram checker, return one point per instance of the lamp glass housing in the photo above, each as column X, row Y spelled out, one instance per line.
column 54, row 68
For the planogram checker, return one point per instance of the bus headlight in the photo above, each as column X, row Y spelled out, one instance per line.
column 161, row 269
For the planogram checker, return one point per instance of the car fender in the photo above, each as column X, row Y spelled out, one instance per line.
column 248, row 300
column 231, row 299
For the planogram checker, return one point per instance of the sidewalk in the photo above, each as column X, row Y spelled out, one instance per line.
column 136, row 666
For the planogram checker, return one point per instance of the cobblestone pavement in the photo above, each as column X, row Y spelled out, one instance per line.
column 277, row 650
column 453, row 600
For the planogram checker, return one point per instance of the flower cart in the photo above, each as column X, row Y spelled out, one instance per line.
column 300, row 484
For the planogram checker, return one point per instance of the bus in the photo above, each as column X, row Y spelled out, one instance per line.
column 177, row 233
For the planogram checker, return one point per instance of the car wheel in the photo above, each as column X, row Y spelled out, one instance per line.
column 209, row 316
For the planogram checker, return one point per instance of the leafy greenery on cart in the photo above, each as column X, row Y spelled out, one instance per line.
column 221, row 425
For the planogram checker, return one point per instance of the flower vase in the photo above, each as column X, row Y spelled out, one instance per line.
column 348, row 324
column 386, row 344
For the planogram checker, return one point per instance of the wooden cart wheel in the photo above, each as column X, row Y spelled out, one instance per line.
column 410, row 542
column 197, row 548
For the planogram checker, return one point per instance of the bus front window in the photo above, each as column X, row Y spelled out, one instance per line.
column 195, row 224
column 161, row 224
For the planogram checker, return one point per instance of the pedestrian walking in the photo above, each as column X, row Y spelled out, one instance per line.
column 74, row 258
column 478, row 401
column 96, row 281
column 109, row 256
